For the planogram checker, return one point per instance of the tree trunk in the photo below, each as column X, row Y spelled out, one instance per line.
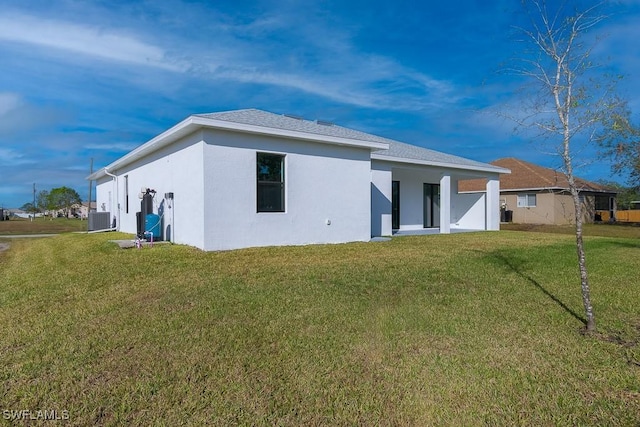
column 582, row 265
column 564, row 114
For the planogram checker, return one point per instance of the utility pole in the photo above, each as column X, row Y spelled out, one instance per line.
column 33, row 214
column 90, row 188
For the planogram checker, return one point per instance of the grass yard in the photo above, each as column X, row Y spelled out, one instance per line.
column 41, row 226
column 619, row 229
column 462, row 329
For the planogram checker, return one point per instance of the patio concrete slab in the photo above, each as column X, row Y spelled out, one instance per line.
column 430, row 231
column 128, row 244
column 380, row 239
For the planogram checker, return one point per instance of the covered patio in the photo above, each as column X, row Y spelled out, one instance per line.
column 418, row 196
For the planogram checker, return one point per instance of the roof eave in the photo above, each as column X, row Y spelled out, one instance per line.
column 181, row 129
column 491, row 169
column 592, row 190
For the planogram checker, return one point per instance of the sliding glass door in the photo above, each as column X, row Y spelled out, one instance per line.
column 395, row 205
column 431, row 205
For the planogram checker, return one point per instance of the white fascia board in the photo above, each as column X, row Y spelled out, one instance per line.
column 492, row 169
column 192, row 123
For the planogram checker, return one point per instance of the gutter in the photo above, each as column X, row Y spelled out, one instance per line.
column 475, row 168
column 117, row 204
column 581, row 190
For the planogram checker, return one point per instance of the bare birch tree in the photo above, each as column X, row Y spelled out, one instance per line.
column 570, row 100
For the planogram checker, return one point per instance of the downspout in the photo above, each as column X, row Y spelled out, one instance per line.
column 115, row 181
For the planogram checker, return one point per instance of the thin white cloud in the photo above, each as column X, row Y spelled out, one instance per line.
column 329, row 67
column 81, row 39
column 12, row 157
column 8, row 102
column 274, row 50
column 124, row 147
column 362, row 80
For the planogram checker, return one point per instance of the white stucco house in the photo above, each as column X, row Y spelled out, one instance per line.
column 252, row 178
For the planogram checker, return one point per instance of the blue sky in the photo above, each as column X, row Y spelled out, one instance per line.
column 94, row 79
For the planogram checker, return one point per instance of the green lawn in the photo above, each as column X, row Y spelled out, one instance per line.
column 462, row 329
column 620, row 229
column 41, row 226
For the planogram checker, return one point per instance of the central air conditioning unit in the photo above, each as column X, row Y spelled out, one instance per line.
column 99, row 221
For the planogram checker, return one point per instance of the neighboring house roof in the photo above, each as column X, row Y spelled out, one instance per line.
column 528, row 176
column 266, row 123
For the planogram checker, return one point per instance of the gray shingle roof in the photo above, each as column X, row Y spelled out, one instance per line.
column 398, row 150
column 401, row 150
column 280, row 121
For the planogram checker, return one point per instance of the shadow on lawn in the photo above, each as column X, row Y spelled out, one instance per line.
column 512, row 264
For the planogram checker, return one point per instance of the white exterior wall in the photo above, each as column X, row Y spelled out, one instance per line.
column 468, row 212
column 493, row 203
column 380, row 199
column 213, row 177
column 445, row 203
column 105, row 196
column 178, row 169
column 323, row 183
column 483, row 205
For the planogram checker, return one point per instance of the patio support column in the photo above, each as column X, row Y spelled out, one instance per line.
column 381, row 177
column 493, row 204
column 445, row 204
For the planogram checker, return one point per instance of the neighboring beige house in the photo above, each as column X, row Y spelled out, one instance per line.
column 81, row 210
column 533, row 194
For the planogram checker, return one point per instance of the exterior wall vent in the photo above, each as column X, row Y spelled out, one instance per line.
column 293, row 116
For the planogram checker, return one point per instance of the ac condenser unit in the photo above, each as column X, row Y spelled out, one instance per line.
column 99, row 221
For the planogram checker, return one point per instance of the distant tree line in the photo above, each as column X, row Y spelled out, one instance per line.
column 58, row 199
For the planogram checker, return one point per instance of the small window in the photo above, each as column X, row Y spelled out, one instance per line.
column 270, row 177
column 526, row 200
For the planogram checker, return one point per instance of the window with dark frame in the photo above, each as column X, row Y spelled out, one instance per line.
column 270, row 178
